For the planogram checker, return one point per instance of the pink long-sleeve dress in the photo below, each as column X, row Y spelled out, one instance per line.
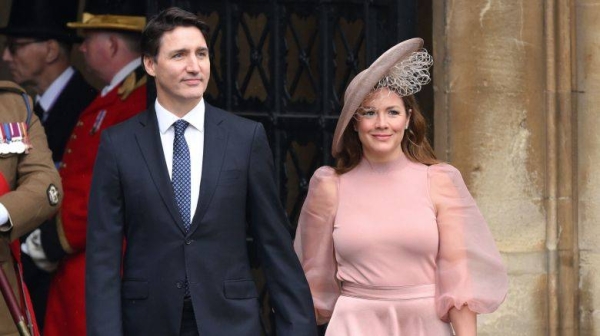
column 388, row 249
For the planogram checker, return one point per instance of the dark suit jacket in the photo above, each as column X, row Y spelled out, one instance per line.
column 132, row 198
column 63, row 115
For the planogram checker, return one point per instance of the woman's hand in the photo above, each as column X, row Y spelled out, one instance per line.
column 464, row 321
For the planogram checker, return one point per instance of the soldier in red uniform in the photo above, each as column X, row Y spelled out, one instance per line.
column 111, row 32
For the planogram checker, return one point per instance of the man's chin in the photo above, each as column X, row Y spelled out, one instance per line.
column 16, row 78
column 194, row 95
column 27, row 84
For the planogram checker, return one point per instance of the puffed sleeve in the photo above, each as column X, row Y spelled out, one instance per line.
column 314, row 241
column 469, row 267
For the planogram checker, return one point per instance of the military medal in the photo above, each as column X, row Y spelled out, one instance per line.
column 14, row 138
column 98, row 122
column 25, row 136
column 18, row 145
column 5, row 141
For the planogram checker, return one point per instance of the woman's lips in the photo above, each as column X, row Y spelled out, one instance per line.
column 381, row 136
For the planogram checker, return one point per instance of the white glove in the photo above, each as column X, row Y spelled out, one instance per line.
column 33, row 248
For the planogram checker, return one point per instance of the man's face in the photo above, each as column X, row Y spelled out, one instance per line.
column 25, row 58
column 181, row 68
column 96, row 52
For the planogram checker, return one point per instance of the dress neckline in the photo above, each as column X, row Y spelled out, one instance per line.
column 384, row 167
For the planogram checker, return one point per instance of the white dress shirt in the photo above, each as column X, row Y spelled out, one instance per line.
column 194, row 136
column 121, row 75
column 48, row 98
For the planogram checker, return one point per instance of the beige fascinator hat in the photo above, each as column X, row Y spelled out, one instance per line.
column 404, row 68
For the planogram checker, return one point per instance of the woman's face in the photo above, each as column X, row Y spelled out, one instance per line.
column 380, row 122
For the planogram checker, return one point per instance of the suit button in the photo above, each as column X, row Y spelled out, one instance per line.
column 179, row 284
column 74, row 136
column 189, row 241
column 63, row 165
column 80, row 123
column 69, row 150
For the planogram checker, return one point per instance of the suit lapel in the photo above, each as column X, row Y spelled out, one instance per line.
column 148, row 139
column 215, row 144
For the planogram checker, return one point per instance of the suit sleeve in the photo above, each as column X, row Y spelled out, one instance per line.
column 38, row 189
column 104, row 245
column 286, row 283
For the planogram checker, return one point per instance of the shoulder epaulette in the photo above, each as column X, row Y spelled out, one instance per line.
column 135, row 79
column 7, row 86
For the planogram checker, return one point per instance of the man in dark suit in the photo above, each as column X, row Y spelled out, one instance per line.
column 37, row 53
column 180, row 183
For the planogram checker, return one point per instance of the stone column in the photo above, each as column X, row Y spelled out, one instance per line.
column 588, row 107
column 503, row 117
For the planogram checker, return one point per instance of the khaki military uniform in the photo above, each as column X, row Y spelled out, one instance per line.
column 35, row 185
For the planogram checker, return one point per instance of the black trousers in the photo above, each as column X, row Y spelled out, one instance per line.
column 188, row 321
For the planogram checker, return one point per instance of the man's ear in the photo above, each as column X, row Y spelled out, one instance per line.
column 149, row 65
column 53, row 51
column 113, row 44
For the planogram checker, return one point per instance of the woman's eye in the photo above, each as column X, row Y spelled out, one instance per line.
column 394, row 113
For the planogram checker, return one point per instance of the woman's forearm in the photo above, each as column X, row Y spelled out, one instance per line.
column 464, row 321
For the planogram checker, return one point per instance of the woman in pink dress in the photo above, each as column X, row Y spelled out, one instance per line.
column 391, row 241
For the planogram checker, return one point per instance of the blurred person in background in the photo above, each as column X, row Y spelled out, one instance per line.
column 30, row 193
column 111, row 50
column 37, row 52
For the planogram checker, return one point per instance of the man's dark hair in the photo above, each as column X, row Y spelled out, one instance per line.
column 166, row 21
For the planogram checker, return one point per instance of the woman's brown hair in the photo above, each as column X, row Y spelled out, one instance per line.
column 414, row 143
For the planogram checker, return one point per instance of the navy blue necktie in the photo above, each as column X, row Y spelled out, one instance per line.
column 182, row 173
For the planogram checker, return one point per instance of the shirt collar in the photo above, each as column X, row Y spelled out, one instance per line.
column 120, row 76
column 47, row 99
column 194, row 117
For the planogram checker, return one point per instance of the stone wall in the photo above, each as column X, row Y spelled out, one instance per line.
column 588, row 112
column 506, row 118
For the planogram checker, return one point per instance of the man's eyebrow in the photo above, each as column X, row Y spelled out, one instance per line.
column 177, row 51
column 185, row 50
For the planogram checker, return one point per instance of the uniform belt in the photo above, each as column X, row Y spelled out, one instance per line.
column 388, row 292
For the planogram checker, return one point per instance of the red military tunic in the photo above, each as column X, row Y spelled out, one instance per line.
column 65, row 313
